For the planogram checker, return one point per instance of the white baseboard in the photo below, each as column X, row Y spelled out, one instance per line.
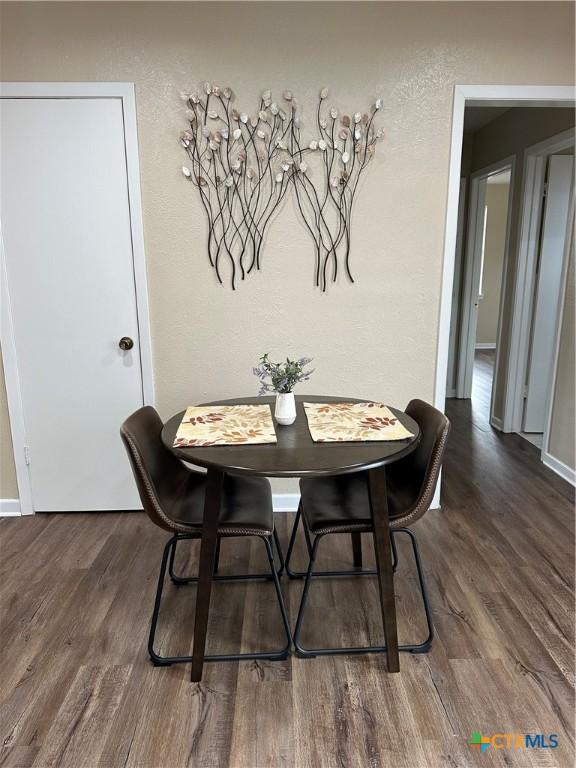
column 9, row 507
column 285, row 502
column 497, row 423
column 565, row 472
column 485, row 345
column 288, row 502
column 281, row 502
column 451, row 392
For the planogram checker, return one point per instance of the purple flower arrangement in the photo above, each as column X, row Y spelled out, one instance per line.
column 281, row 377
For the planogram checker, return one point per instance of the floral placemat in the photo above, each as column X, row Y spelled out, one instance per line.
column 353, row 422
column 205, row 425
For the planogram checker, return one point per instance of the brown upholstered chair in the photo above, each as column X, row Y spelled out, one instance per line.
column 173, row 497
column 340, row 504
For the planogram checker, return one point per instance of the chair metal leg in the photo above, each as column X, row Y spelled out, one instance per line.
column 300, row 651
column 317, row 574
column 173, row 577
column 181, row 580
column 157, row 660
column 278, row 546
column 307, row 537
column 292, row 540
column 164, row 661
column 278, row 588
column 423, row 647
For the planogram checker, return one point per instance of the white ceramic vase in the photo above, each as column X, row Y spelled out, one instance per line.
column 285, row 411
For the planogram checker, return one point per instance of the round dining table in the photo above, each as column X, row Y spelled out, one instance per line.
column 295, row 454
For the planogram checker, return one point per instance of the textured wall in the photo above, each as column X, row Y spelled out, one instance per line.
column 495, row 243
column 374, row 339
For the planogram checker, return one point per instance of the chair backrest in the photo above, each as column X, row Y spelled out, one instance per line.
column 417, row 474
column 158, row 473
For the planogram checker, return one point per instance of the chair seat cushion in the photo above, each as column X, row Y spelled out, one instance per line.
column 340, row 503
column 246, row 505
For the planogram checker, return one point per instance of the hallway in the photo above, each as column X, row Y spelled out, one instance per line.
column 484, row 360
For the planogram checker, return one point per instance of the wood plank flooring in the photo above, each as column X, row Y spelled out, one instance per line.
column 76, row 591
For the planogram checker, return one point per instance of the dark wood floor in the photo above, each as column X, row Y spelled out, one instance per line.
column 482, row 385
column 76, row 596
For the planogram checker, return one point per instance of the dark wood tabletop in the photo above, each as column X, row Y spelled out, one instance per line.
column 295, row 454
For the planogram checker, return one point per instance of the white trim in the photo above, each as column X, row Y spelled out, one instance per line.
column 483, row 95
column 137, row 230
column 472, row 267
column 13, row 396
column 44, row 90
column 485, row 345
column 472, row 258
column 558, row 331
column 496, row 423
column 565, row 472
column 10, row 508
column 534, row 170
column 125, row 92
column 495, row 168
column 288, row 502
column 285, row 502
column 532, row 195
column 515, row 95
column 450, row 232
column 457, row 289
column 281, row 502
column 474, row 95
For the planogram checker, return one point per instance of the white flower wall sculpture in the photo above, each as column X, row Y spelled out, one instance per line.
column 243, row 167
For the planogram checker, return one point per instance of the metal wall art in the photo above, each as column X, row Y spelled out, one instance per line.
column 243, row 167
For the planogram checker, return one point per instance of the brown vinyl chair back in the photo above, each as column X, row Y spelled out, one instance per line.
column 158, row 473
column 413, row 480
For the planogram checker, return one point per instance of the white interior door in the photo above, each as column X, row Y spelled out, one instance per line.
column 455, row 315
column 471, row 292
column 548, row 291
column 67, row 237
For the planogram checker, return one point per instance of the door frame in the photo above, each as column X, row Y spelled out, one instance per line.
column 472, row 263
column 455, row 320
column 535, row 158
column 548, row 459
column 126, row 93
column 487, row 96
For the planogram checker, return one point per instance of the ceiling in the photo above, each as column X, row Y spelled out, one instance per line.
column 477, row 117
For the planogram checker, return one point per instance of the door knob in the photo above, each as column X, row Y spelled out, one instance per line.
column 125, row 343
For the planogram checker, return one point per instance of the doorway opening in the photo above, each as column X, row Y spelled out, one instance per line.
column 493, row 243
column 478, row 314
column 511, row 232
